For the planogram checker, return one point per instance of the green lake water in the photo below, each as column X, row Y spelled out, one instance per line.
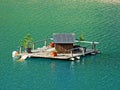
column 96, row 20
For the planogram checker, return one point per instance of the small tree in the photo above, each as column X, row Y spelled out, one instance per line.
column 81, row 38
column 27, row 42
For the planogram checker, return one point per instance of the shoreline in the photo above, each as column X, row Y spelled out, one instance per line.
column 109, row 1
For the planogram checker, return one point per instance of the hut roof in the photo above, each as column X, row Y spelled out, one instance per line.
column 64, row 38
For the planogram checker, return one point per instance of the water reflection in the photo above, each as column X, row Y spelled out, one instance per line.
column 66, row 64
column 72, row 64
column 52, row 65
column 19, row 66
column 77, row 62
column 16, row 60
column 83, row 61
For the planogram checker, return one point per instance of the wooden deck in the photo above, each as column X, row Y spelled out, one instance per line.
column 43, row 53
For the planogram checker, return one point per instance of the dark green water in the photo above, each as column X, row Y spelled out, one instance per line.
column 97, row 21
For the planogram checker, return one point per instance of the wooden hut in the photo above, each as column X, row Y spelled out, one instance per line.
column 63, row 42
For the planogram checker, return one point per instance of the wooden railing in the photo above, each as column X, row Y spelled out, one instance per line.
column 34, row 44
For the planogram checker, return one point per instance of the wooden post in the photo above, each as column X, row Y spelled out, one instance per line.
column 33, row 46
column 45, row 43
column 20, row 49
column 93, row 46
column 71, row 53
column 83, row 52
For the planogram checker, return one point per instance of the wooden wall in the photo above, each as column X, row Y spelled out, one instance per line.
column 63, row 48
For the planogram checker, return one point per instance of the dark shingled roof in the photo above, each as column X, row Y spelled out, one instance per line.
column 64, row 38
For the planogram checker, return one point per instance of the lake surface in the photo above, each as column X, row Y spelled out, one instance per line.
column 96, row 20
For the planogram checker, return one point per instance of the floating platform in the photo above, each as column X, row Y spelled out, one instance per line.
column 64, row 46
column 45, row 53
